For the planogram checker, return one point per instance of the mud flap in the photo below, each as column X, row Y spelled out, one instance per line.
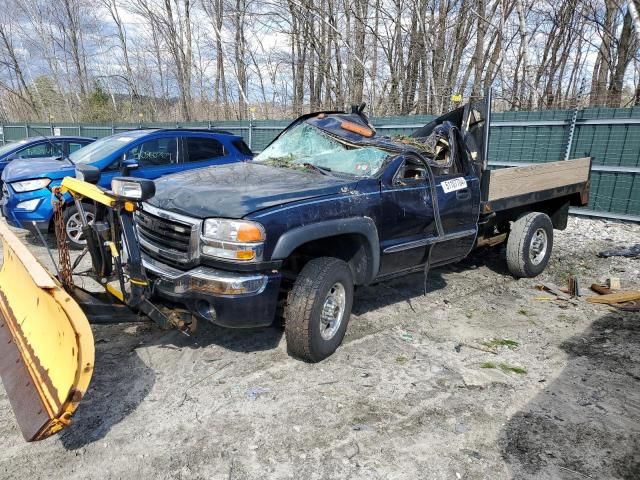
column 46, row 344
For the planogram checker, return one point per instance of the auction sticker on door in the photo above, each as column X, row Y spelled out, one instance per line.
column 454, row 184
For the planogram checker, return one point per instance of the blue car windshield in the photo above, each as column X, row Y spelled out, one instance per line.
column 305, row 145
column 100, row 149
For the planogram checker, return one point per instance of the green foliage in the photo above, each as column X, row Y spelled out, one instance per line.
column 98, row 107
column 402, row 359
column 506, row 368
column 511, row 369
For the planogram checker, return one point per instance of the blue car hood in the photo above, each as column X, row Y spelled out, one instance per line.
column 238, row 189
column 27, row 168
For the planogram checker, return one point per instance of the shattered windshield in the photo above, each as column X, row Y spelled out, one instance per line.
column 307, row 147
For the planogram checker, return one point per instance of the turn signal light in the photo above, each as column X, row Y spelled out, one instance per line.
column 248, row 233
column 245, row 254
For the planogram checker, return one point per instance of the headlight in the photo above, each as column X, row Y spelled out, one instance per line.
column 31, row 185
column 233, row 239
column 133, row 188
column 28, row 205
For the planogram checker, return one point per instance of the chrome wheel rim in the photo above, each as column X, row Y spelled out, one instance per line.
column 74, row 227
column 538, row 246
column 332, row 311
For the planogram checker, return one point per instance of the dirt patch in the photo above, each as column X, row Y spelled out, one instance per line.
column 405, row 396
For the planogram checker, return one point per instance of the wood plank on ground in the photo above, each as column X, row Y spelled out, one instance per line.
column 619, row 297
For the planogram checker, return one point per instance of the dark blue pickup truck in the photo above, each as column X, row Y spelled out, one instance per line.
column 330, row 205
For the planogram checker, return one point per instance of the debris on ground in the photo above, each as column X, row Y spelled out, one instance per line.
column 406, row 336
column 629, row 306
column 613, row 283
column 631, row 252
column 575, row 287
column 254, row 392
column 601, row 289
column 628, row 301
column 613, row 298
column 554, row 289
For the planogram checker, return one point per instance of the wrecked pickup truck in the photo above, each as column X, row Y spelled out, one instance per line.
column 327, row 206
column 330, row 205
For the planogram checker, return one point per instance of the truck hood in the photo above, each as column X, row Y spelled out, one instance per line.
column 37, row 167
column 236, row 190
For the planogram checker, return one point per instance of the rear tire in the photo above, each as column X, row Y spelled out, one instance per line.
column 529, row 245
column 73, row 225
column 318, row 309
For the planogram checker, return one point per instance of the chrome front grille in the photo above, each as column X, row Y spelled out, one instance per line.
column 169, row 237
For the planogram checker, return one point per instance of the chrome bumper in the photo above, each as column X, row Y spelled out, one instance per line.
column 202, row 280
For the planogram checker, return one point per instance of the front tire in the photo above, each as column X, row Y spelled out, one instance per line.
column 73, row 225
column 529, row 245
column 318, row 309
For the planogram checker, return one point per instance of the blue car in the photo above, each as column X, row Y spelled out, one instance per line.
column 27, row 185
column 38, row 147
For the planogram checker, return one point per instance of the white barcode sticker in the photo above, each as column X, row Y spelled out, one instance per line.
column 454, row 184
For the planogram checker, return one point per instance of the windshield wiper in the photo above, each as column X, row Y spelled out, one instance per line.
column 317, row 168
column 58, row 158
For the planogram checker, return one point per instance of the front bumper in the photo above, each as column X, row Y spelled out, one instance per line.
column 229, row 299
column 17, row 217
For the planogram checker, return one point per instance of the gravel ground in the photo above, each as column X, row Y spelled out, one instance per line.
column 407, row 396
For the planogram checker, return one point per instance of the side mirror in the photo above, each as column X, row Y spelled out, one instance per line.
column 127, row 166
column 88, row 173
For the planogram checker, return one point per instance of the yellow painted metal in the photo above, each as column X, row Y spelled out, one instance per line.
column 113, row 249
column 115, row 292
column 46, row 344
column 87, row 190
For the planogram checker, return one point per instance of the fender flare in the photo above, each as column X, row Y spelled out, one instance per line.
column 364, row 226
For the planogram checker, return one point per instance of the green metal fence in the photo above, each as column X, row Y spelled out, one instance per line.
column 610, row 136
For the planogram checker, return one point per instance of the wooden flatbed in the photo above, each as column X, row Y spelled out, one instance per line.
column 513, row 187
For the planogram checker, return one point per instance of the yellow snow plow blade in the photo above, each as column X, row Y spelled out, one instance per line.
column 46, row 344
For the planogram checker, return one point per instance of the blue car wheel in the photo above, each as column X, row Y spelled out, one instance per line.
column 73, row 225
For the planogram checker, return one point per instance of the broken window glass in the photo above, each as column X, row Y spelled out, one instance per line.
column 305, row 145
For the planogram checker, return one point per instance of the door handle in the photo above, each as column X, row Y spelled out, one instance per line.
column 463, row 194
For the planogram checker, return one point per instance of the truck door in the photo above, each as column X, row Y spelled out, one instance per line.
column 407, row 221
column 475, row 131
column 458, row 190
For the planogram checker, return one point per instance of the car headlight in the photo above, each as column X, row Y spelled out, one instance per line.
column 31, row 185
column 133, row 188
column 28, row 205
column 233, row 239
